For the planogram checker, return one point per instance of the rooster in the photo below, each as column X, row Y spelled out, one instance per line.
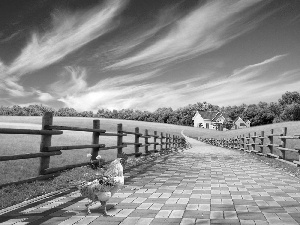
column 105, row 185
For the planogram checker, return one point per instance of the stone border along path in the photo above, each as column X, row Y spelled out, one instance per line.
column 202, row 185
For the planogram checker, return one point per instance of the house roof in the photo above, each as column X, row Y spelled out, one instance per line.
column 208, row 115
column 218, row 115
column 211, row 115
column 226, row 117
column 236, row 119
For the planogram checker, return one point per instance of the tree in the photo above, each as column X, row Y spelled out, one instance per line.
column 70, row 112
column 291, row 112
column 162, row 114
column 289, row 98
column 235, row 111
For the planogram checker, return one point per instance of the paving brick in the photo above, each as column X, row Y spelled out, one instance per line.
column 196, row 214
column 251, row 216
column 145, row 206
column 230, row 215
column 71, row 220
column 86, row 220
column 166, row 221
column 163, row 214
column 202, row 222
column 225, row 221
column 130, row 221
column 192, row 206
column 174, row 206
column 222, row 207
column 127, row 206
column 176, row 214
column 272, row 209
column 156, row 206
column 247, row 222
column 144, row 221
column 144, row 213
column 188, row 221
column 124, row 212
column 107, row 221
column 199, row 201
column 216, row 215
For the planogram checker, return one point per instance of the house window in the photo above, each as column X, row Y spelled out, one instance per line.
column 207, row 125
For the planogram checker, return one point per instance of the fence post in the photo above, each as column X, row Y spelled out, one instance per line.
column 146, row 141
column 240, row 142
column 248, row 142
column 45, row 142
column 155, row 140
column 271, row 140
column 254, row 140
column 161, row 141
column 120, row 139
column 262, row 141
column 95, row 139
column 173, row 142
column 167, row 141
column 136, row 140
column 283, row 141
column 244, row 142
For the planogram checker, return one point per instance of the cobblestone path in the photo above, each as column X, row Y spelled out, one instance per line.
column 202, row 185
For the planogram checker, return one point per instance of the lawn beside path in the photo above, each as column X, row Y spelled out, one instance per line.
column 201, row 185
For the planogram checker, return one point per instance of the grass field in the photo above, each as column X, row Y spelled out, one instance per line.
column 20, row 144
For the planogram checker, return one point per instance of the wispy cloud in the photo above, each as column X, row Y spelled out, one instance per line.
column 206, row 28
column 114, row 92
column 247, row 84
column 71, row 81
column 69, row 32
column 12, row 88
column 136, row 91
column 10, row 37
column 43, row 96
column 143, row 91
column 247, row 72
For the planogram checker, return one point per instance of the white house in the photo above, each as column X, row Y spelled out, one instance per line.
column 209, row 120
column 238, row 123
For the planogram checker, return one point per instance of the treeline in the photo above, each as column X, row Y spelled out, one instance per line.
column 286, row 109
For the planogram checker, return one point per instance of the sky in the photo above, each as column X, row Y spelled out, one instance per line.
column 147, row 54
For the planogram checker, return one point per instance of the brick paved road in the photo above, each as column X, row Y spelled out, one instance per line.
column 202, row 185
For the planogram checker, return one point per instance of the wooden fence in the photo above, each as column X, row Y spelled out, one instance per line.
column 166, row 144
column 261, row 144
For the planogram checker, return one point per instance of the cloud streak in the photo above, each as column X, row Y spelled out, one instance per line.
column 69, row 33
column 206, row 28
column 136, row 91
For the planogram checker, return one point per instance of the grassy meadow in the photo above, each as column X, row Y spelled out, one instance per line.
column 20, row 144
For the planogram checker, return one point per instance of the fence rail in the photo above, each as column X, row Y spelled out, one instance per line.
column 263, row 145
column 47, row 150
